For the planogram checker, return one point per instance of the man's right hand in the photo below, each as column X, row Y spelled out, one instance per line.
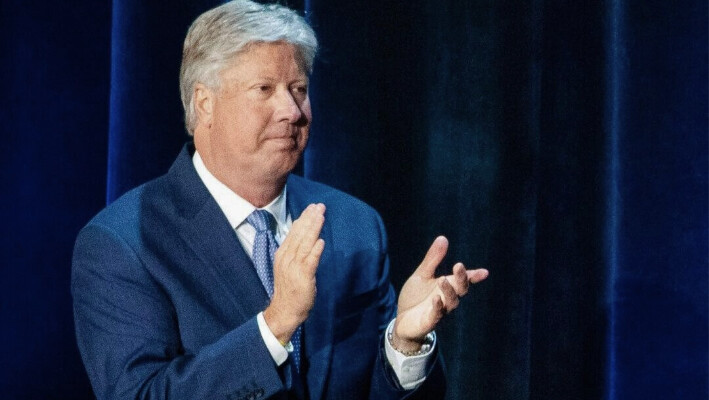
column 294, row 267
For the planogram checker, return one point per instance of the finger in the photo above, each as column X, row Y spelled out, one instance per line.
column 448, row 295
column 311, row 232
column 299, row 226
column 477, row 275
column 306, row 222
column 313, row 259
column 294, row 231
column 459, row 279
column 289, row 248
column 433, row 257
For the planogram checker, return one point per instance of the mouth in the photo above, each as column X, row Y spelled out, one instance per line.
column 287, row 137
column 284, row 141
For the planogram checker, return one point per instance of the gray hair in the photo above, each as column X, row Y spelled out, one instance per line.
column 220, row 34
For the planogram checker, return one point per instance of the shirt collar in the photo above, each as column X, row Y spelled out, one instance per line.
column 236, row 208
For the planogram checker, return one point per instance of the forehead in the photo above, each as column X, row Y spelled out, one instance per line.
column 274, row 60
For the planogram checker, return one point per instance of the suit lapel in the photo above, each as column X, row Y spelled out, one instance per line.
column 318, row 328
column 217, row 244
column 206, row 230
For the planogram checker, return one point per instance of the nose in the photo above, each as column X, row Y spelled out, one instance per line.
column 288, row 108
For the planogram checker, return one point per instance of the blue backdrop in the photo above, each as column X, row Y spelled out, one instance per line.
column 563, row 145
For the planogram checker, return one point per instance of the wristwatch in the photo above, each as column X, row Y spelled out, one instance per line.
column 425, row 346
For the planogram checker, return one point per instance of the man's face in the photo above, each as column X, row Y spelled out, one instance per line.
column 260, row 117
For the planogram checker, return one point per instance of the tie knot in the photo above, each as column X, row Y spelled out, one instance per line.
column 261, row 220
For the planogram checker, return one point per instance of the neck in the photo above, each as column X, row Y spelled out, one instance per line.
column 258, row 195
column 259, row 189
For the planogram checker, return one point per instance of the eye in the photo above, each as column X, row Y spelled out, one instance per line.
column 301, row 89
column 264, row 88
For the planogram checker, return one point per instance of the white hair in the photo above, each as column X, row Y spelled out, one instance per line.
column 220, row 34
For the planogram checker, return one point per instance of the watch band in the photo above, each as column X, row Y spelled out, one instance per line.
column 425, row 346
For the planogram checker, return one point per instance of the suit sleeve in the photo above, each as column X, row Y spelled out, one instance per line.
column 385, row 384
column 129, row 339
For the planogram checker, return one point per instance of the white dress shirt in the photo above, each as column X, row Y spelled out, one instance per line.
column 411, row 371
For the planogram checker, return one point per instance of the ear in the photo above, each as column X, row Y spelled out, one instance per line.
column 203, row 99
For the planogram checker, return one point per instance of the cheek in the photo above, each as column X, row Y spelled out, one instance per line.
column 307, row 112
column 245, row 123
column 303, row 139
column 305, row 130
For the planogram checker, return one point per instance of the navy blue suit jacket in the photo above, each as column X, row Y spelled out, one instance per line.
column 165, row 299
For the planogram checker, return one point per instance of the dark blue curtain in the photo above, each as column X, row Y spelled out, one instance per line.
column 562, row 145
column 54, row 69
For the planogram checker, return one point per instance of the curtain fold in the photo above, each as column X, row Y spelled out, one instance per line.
column 146, row 125
column 660, row 286
column 539, row 137
column 53, row 118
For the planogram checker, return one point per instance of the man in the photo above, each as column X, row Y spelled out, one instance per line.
column 179, row 291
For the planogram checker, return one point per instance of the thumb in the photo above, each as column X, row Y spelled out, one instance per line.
column 433, row 258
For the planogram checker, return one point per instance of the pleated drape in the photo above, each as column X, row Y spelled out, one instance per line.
column 561, row 145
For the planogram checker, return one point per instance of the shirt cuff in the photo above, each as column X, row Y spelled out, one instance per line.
column 278, row 351
column 410, row 370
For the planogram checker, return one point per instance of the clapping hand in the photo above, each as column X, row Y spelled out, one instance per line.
column 425, row 299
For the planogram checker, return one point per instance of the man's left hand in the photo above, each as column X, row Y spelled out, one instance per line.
column 425, row 299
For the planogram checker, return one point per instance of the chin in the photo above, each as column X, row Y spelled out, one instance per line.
column 285, row 167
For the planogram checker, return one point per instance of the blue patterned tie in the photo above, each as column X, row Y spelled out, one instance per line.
column 265, row 247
